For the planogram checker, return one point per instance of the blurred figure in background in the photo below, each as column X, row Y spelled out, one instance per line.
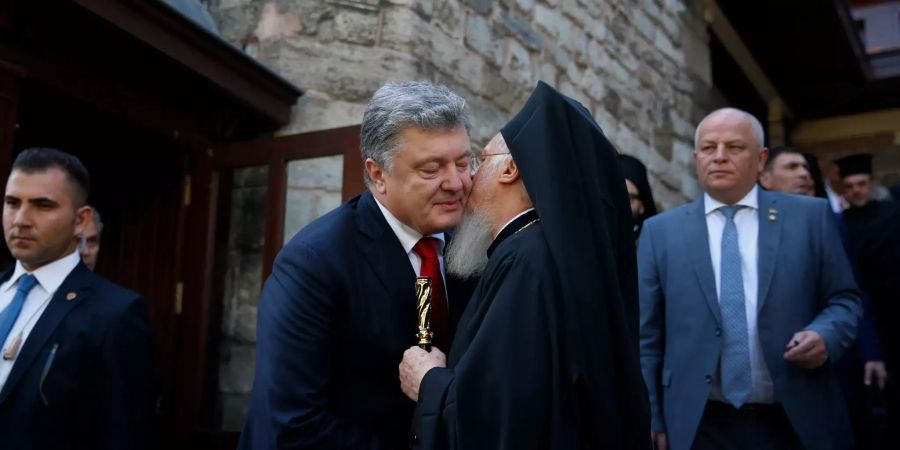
column 89, row 239
column 639, row 193
column 873, row 236
column 787, row 171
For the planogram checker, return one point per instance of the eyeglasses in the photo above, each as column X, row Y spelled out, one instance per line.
column 478, row 160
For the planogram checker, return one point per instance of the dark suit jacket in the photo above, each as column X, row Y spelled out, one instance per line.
column 805, row 283
column 83, row 378
column 335, row 317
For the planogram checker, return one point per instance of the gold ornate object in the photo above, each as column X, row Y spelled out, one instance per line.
column 423, row 306
column 13, row 348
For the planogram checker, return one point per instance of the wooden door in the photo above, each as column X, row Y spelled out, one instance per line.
column 253, row 203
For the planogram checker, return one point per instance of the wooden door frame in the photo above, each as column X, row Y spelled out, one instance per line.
column 206, row 196
column 276, row 153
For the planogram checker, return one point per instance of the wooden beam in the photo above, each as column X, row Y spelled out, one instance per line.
column 314, row 144
column 731, row 40
column 352, row 182
column 885, row 122
column 276, row 196
column 276, row 152
column 776, row 123
column 164, row 29
column 193, row 323
column 828, row 150
column 119, row 97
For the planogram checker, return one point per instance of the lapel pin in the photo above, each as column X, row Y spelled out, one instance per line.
column 71, row 296
column 772, row 214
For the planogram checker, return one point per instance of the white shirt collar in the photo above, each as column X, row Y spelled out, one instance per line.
column 49, row 276
column 751, row 200
column 408, row 237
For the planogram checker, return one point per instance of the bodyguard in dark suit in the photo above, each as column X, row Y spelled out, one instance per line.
column 339, row 308
column 76, row 371
column 745, row 305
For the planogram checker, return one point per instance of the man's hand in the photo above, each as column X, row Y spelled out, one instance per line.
column 806, row 349
column 659, row 440
column 416, row 363
column 875, row 370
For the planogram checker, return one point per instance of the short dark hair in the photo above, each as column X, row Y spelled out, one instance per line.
column 41, row 159
column 775, row 152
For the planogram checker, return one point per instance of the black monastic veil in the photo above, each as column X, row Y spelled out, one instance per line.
column 546, row 353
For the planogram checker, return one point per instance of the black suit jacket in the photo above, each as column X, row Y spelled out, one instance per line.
column 335, row 317
column 83, row 378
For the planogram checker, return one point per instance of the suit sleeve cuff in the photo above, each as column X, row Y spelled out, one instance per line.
column 832, row 344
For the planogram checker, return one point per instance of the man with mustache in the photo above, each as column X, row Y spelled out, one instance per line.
column 545, row 356
column 77, row 366
column 786, row 170
column 339, row 308
column 789, row 171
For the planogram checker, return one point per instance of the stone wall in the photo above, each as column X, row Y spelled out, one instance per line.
column 641, row 66
column 243, row 272
column 313, row 188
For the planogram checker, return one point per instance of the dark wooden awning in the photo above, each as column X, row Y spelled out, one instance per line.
column 143, row 61
column 161, row 27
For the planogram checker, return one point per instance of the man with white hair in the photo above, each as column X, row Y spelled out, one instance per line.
column 545, row 356
column 339, row 308
column 745, row 304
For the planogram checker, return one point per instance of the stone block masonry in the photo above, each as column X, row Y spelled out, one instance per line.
column 641, row 66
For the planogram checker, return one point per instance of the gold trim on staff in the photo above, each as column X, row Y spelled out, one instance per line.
column 423, row 307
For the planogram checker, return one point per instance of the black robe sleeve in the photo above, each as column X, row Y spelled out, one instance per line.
column 503, row 390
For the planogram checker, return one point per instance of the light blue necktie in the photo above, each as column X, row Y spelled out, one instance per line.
column 11, row 312
column 736, row 381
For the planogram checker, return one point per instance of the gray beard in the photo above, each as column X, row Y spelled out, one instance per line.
column 467, row 252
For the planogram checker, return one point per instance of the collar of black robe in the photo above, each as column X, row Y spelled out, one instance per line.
column 512, row 228
column 572, row 174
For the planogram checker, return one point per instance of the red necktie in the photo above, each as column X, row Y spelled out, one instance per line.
column 427, row 249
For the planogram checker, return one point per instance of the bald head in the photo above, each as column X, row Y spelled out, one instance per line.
column 728, row 154
column 733, row 115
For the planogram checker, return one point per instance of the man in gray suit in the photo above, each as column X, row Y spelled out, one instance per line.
column 744, row 305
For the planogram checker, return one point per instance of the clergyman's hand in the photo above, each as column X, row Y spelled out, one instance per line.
column 659, row 440
column 875, row 371
column 806, row 349
column 416, row 363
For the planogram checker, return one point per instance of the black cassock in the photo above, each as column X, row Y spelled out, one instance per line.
column 546, row 353
column 499, row 391
column 873, row 235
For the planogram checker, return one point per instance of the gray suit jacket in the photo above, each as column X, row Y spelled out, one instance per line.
column 805, row 283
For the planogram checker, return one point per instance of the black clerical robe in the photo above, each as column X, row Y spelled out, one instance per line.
column 546, row 353
column 873, row 235
column 502, row 389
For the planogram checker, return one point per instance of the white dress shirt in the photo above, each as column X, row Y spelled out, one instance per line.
column 49, row 278
column 408, row 239
column 833, row 198
column 747, row 222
